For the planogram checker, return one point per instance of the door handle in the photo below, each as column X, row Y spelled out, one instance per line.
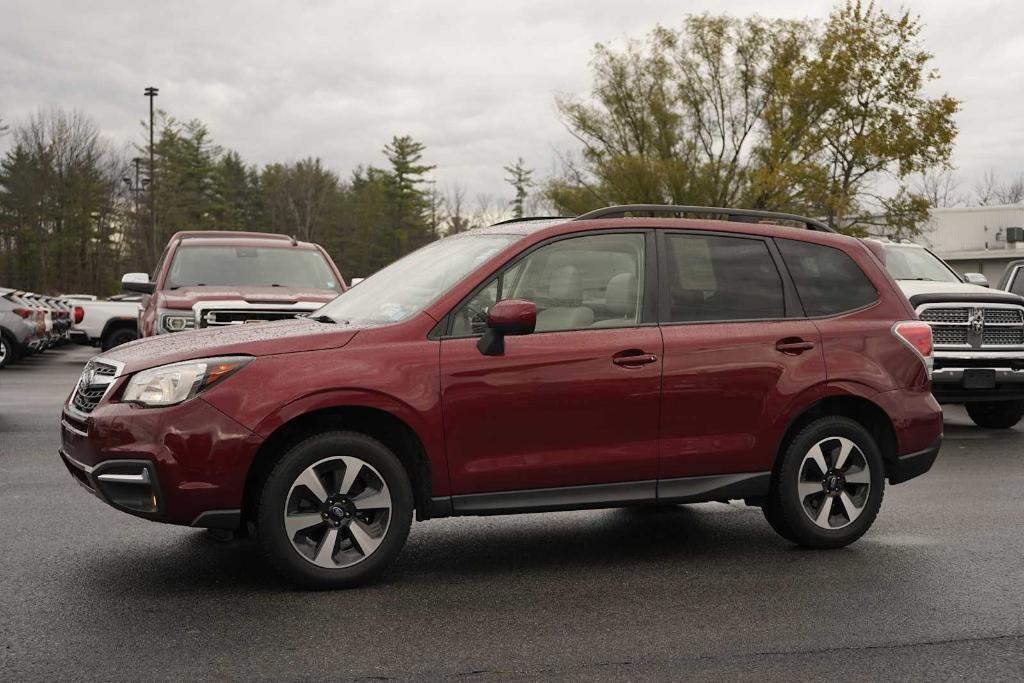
column 633, row 358
column 793, row 346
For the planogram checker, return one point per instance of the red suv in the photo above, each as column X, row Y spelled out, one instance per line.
column 216, row 278
column 534, row 365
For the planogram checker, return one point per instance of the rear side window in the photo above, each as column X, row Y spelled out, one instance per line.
column 827, row 280
column 721, row 278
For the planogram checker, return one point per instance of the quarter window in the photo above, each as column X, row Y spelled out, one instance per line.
column 594, row 281
column 827, row 280
column 722, row 278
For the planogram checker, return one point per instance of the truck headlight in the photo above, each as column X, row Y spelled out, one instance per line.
column 168, row 385
column 174, row 321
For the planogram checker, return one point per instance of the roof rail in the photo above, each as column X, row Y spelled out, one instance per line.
column 531, row 218
column 732, row 214
column 211, row 234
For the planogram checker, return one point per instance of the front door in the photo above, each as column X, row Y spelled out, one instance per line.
column 576, row 402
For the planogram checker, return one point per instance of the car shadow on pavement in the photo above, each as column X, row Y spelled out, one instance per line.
column 487, row 549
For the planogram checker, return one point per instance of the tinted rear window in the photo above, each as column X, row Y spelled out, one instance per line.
column 827, row 280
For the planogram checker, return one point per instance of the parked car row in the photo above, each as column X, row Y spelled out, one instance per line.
column 32, row 323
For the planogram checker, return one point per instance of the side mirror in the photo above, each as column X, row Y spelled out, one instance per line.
column 137, row 282
column 976, row 279
column 508, row 317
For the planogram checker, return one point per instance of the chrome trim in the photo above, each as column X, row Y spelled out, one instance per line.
column 944, row 375
column 127, row 478
column 80, row 465
column 95, row 380
column 72, row 428
column 968, row 305
column 202, row 308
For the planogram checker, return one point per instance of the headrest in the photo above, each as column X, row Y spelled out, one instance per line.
column 620, row 297
column 566, row 286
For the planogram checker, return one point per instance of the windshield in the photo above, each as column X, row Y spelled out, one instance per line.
column 250, row 267
column 915, row 263
column 405, row 287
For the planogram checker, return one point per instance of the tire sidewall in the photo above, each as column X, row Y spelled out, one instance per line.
column 8, row 354
column 784, row 489
column 270, row 516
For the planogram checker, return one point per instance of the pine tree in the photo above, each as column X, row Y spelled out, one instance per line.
column 519, row 177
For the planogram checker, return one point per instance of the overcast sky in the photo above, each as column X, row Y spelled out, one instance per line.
column 473, row 80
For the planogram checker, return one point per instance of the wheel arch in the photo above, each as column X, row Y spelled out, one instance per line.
column 115, row 324
column 372, row 421
column 862, row 410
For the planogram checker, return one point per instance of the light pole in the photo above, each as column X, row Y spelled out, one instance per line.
column 136, row 189
column 152, row 92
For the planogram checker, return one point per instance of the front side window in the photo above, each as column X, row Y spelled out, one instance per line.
column 827, row 280
column 713, row 278
column 595, row 281
column 230, row 266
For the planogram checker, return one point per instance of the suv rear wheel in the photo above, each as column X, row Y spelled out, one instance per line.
column 6, row 351
column 996, row 414
column 828, row 485
column 335, row 511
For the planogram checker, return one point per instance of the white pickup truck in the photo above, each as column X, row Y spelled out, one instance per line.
column 106, row 323
column 978, row 333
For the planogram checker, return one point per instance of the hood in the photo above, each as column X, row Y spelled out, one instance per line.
column 263, row 339
column 925, row 292
column 187, row 296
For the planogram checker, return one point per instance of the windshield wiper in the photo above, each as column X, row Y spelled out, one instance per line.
column 920, row 279
column 327, row 319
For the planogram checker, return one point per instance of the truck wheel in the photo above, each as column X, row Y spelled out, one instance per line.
column 335, row 511
column 122, row 335
column 995, row 414
column 827, row 487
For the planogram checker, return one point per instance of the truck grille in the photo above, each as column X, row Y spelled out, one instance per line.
column 975, row 327
column 218, row 317
column 92, row 386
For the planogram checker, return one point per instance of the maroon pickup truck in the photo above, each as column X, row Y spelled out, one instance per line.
column 215, row 279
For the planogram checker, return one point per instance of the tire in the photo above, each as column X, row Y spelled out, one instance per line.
column 121, row 335
column 7, row 353
column 995, row 414
column 800, row 490
column 329, row 553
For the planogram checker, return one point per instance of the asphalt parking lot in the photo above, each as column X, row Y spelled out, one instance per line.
column 936, row 588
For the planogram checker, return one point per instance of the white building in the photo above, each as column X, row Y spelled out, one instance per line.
column 974, row 239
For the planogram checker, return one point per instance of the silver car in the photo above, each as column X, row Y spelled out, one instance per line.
column 18, row 327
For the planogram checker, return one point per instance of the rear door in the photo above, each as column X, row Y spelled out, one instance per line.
column 738, row 353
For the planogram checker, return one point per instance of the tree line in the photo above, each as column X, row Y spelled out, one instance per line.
column 74, row 208
column 830, row 119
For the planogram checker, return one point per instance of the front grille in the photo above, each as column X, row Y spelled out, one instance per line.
column 92, row 386
column 218, row 317
column 947, row 334
column 975, row 327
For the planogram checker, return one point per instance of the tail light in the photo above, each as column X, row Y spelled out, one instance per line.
column 25, row 313
column 79, row 314
column 918, row 336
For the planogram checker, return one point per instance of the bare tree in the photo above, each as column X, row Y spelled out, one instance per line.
column 941, row 188
column 986, row 188
column 456, row 219
column 1012, row 192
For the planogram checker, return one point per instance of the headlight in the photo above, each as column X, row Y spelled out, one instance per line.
column 168, row 385
column 176, row 321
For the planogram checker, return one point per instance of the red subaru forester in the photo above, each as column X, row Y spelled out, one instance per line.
column 534, row 365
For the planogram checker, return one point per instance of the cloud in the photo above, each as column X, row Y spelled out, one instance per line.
column 474, row 81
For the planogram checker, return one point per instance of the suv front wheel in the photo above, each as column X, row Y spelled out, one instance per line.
column 995, row 414
column 335, row 511
column 828, row 485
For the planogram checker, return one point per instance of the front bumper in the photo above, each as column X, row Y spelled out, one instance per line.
column 183, row 464
column 982, row 376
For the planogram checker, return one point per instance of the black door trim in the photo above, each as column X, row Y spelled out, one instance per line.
column 701, row 489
